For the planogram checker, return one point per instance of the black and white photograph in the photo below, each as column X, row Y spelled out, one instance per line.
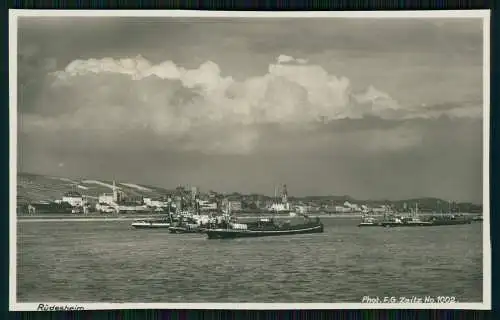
column 249, row 160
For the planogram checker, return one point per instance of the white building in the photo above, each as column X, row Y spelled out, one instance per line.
column 128, row 208
column 106, row 199
column 75, row 199
column 351, row 207
column 280, row 207
column 157, row 203
column 302, row 209
column 111, row 198
column 207, row 205
column 235, row 205
column 381, row 209
column 343, row 209
column 105, row 208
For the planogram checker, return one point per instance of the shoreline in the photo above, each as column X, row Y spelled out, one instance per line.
column 104, row 219
column 90, row 218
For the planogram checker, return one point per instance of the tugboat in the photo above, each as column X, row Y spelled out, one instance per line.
column 264, row 227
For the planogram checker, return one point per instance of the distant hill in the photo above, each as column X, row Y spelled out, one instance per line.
column 424, row 204
column 36, row 188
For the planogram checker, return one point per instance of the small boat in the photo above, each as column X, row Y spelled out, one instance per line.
column 477, row 218
column 186, row 223
column 415, row 221
column 369, row 222
column 263, row 228
column 405, row 222
column 151, row 223
column 448, row 220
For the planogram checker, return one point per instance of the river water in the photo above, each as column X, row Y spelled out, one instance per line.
column 93, row 261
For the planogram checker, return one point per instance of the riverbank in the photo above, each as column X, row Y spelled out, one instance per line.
column 131, row 218
column 83, row 218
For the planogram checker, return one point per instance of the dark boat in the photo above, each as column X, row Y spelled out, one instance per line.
column 186, row 225
column 435, row 220
column 405, row 222
column 264, row 228
column 449, row 220
column 185, row 229
column 477, row 218
column 429, row 222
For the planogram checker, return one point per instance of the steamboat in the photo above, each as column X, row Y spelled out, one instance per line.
column 264, row 227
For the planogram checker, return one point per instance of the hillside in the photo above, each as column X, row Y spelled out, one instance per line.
column 36, row 188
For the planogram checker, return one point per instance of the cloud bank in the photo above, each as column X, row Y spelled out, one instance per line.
column 207, row 111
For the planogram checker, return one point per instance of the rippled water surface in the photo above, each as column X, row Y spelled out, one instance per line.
column 109, row 262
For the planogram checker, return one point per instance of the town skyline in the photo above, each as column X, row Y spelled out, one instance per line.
column 362, row 107
column 73, row 186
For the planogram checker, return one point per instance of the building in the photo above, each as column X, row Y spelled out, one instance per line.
column 382, row 209
column 207, row 205
column 343, row 209
column 194, row 192
column 74, row 198
column 111, row 198
column 131, row 208
column 280, row 207
column 179, row 203
column 302, row 209
column 106, row 199
column 283, row 205
column 105, row 208
column 232, row 204
column 235, row 205
column 155, row 202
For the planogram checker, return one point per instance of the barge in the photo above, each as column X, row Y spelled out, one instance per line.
column 264, row 228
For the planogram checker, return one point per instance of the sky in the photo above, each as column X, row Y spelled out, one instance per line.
column 371, row 108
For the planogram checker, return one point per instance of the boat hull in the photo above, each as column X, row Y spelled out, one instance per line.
column 183, row 230
column 434, row 223
column 369, row 224
column 451, row 222
column 232, row 234
column 398, row 224
column 150, row 225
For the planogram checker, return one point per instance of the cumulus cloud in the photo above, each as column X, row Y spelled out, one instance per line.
column 282, row 58
column 203, row 108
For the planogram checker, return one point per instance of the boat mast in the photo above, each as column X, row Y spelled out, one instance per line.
column 275, row 196
column 275, row 209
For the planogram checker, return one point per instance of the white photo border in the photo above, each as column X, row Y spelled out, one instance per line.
column 14, row 14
